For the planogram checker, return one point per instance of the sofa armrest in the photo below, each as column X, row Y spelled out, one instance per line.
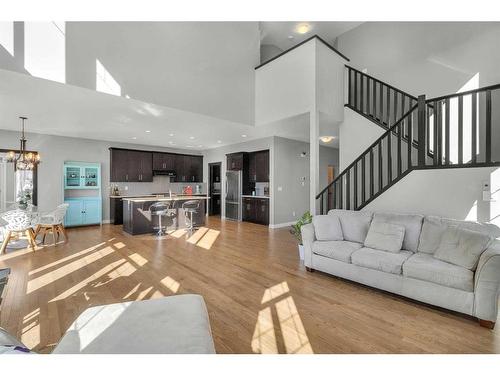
column 308, row 238
column 487, row 283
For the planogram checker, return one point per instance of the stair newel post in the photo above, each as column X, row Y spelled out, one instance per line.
column 421, row 118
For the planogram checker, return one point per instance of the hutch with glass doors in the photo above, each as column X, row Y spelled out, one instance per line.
column 82, row 191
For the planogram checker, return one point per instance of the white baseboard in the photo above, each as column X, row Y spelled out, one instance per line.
column 106, row 222
column 281, row 225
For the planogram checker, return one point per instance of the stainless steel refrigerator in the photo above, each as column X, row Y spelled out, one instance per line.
column 233, row 195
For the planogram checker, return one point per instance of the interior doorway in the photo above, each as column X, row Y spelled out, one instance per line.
column 214, row 188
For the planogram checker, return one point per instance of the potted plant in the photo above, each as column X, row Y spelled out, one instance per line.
column 295, row 230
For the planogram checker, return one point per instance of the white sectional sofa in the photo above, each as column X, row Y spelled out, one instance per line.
column 447, row 263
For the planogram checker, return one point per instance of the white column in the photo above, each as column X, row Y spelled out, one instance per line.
column 313, row 159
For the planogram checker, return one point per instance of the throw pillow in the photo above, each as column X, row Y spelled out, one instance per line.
column 385, row 236
column 462, row 247
column 327, row 228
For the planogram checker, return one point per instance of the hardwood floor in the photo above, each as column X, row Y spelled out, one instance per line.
column 259, row 296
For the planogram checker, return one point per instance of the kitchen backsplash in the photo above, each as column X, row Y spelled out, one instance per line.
column 160, row 184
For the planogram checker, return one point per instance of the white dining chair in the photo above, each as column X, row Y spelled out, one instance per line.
column 53, row 222
column 15, row 223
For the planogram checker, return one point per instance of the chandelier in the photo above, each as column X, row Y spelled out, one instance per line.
column 23, row 160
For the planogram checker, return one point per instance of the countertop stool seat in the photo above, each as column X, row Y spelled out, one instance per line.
column 190, row 207
column 160, row 209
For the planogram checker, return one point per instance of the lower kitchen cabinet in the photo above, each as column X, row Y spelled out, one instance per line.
column 83, row 211
column 256, row 210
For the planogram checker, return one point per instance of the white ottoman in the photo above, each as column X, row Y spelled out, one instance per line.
column 177, row 324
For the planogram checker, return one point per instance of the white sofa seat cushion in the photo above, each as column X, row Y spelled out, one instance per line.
column 434, row 227
column 355, row 224
column 462, row 247
column 385, row 237
column 338, row 250
column 425, row 267
column 412, row 224
column 327, row 228
column 169, row 325
column 380, row 260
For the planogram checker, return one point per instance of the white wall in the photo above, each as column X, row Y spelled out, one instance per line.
column 286, row 86
column 291, row 180
column 201, row 67
column 56, row 150
column 432, row 58
column 452, row 193
column 356, row 133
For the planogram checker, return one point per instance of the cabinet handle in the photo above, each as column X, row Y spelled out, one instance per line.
column 126, row 177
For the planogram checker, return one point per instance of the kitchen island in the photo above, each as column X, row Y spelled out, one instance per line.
column 137, row 218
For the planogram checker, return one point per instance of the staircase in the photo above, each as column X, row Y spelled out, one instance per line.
column 454, row 131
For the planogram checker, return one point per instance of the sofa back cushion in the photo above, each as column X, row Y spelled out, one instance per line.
column 462, row 247
column 327, row 228
column 434, row 227
column 355, row 224
column 411, row 222
column 385, row 236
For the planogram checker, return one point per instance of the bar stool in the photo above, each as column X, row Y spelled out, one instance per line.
column 190, row 207
column 159, row 209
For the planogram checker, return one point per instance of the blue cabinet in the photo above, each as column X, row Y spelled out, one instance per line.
column 83, row 211
column 82, row 175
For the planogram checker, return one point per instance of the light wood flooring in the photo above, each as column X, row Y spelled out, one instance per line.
column 259, row 296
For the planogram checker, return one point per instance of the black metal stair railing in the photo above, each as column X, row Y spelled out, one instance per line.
column 453, row 131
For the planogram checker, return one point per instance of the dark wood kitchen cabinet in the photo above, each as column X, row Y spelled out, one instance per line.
column 131, row 166
column 258, row 166
column 237, row 161
column 189, row 168
column 163, row 161
column 256, row 210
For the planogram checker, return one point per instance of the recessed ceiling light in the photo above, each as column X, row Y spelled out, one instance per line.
column 200, row 145
column 302, row 28
column 134, row 137
column 148, row 131
column 244, row 135
column 190, row 146
column 291, row 37
column 171, row 134
column 327, row 138
column 191, row 137
column 219, row 141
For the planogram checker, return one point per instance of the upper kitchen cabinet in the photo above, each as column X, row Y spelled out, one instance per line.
column 258, row 166
column 163, row 161
column 131, row 166
column 237, row 161
column 262, row 166
column 189, row 168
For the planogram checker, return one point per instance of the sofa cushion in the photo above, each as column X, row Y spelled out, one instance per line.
column 462, row 247
column 380, row 260
column 327, row 228
column 412, row 224
column 338, row 250
column 433, row 228
column 425, row 267
column 355, row 224
column 385, row 237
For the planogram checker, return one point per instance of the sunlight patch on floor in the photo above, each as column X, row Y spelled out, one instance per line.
column 119, row 245
column 178, row 233
column 197, row 235
column 65, row 259
column 264, row 338
column 275, row 291
column 291, row 329
column 294, row 333
column 171, row 284
column 138, row 259
column 82, row 284
column 142, row 295
column 208, row 239
column 65, row 270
